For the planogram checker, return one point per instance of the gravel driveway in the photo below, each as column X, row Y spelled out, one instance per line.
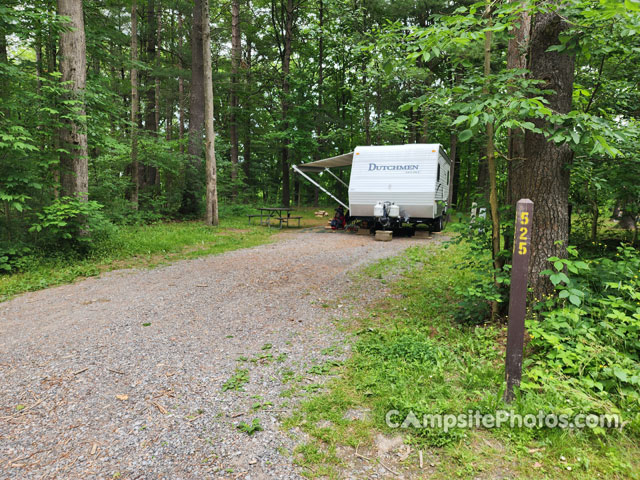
column 122, row 376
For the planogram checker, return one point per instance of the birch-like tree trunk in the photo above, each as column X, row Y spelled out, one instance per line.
column 74, row 164
column 210, row 155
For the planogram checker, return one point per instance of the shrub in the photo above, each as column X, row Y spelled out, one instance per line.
column 13, row 257
column 69, row 223
column 591, row 329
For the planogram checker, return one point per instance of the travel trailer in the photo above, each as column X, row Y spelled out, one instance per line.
column 391, row 185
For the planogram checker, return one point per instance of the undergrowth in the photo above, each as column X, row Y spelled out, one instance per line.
column 411, row 355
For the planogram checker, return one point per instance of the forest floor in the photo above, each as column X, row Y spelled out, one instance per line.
column 183, row 371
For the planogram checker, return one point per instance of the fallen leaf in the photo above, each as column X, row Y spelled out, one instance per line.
column 537, row 465
column 122, row 397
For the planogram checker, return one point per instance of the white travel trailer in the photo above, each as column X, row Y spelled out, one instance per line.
column 392, row 185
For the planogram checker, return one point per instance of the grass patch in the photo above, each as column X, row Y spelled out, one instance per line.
column 409, row 355
column 142, row 246
column 237, row 380
column 250, row 428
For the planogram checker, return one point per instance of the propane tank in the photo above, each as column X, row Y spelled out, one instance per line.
column 394, row 211
column 378, row 210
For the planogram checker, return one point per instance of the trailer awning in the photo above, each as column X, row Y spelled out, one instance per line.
column 333, row 162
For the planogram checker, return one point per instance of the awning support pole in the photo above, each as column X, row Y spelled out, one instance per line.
column 295, row 169
column 336, row 177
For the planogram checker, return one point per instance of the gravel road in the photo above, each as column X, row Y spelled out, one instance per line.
column 121, row 376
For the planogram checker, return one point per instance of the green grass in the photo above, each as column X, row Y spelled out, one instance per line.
column 144, row 246
column 237, row 381
column 409, row 355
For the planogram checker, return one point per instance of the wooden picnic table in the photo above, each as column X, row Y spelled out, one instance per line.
column 275, row 213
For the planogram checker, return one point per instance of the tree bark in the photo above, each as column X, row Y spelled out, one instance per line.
column 246, row 144
column 157, row 64
column 149, row 36
column 210, row 154
column 193, row 182
column 453, row 152
column 320, row 115
column 74, row 164
column 286, row 63
column 180, row 89
column 4, row 58
column 542, row 175
column 135, row 101
column 516, row 59
column 233, row 97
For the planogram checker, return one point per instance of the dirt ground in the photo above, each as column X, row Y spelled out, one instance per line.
column 123, row 375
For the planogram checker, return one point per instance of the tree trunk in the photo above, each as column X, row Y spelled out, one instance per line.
column 491, row 165
column 516, row 58
column 180, row 89
column 4, row 58
column 455, row 182
column 452, row 172
column 74, row 164
column 210, row 154
column 542, row 175
column 246, row 153
column 157, row 78
column 135, row 101
column 149, row 172
column 149, row 36
column 233, row 97
column 595, row 216
column 38, row 48
column 193, row 182
column 286, row 62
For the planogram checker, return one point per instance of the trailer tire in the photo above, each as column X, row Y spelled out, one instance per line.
column 438, row 224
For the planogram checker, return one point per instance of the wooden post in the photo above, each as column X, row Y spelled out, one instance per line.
column 518, row 295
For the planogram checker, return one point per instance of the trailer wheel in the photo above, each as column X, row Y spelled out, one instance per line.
column 438, row 224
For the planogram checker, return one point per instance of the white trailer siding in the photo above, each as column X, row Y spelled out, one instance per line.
column 402, row 174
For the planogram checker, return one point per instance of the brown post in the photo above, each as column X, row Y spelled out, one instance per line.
column 518, row 295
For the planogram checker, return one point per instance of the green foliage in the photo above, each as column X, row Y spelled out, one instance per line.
column 250, row 428
column 485, row 285
column 591, row 329
column 237, row 380
column 410, row 355
column 12, row 257
column 70, row 223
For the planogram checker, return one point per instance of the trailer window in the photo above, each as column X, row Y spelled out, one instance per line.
column 438, row 174
column 447, row 178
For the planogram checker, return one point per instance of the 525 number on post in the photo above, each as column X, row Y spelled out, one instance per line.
column 523, row 236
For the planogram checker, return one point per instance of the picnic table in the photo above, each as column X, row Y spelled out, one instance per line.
column 281, row 214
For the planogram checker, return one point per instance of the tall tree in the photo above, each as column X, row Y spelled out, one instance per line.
column 246, row 153
column 233, row 97
column 542, row 175
column 74, row 162
column 180, row 86
column 135, row 104
column 193, row 183
column 210, row 154
column 285, row 54
column 491, row 159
